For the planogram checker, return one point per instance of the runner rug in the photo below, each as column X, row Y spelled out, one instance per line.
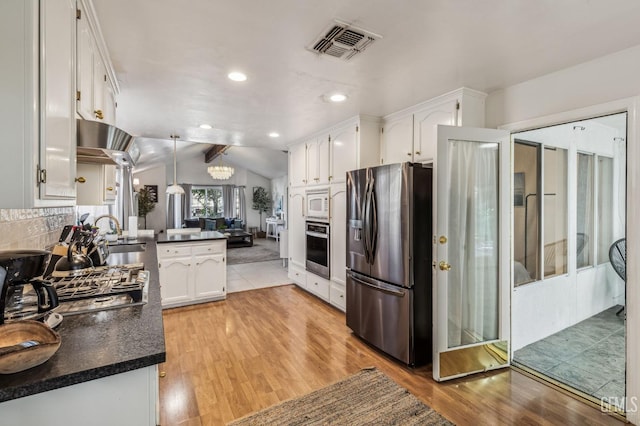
column 366, row 398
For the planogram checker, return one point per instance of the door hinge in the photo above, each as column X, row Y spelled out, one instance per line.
column 78, row 95
column 105, row 77
column 78, row 14
column 159, row 265
column 329, row 138
column 458, row 105
column 381, row 129
column 357, row 129
column 41, row 175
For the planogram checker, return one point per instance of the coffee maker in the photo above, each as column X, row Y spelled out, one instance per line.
column 23, row 292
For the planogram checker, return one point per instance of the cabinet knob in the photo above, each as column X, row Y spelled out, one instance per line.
column 109, row 188
column 330, row 177
column 408, row 153
column 99, row 114
column 417, row 152
column 80, row 179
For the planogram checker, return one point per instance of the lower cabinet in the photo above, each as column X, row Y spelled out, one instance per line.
column 327, row 290
column 318, row 286
column 298, row 275
column 192, row 272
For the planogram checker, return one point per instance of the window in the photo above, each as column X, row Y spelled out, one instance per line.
column 584, row 210
column 207, row 202
column 555, row 211
column 605, row 208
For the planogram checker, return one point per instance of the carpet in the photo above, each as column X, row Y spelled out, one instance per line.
column 368, row 397
column 261, row 251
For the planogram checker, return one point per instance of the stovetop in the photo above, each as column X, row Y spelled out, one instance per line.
column 104, row 287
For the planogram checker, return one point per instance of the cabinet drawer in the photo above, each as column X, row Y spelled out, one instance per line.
column 173, row 250
column 213, row 248
column 298, row 275
column 318, row 286
column 337, row 296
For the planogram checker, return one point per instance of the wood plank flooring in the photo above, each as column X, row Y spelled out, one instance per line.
column 230, row 358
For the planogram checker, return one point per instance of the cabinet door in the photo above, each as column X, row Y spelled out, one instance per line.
column 85, row 72
column 344, row 153
column 109, row 105
column 425, row 129
column 312, row 162
column 323, row 171
column 99, row 86
column 210, row 276
column 57, row 97
column 175, row 277
column 338, row 233
column 109, row 186
column 297, row 165
column 297, row 246
column 397, row 141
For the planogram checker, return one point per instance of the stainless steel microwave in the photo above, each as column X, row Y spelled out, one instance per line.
column 318, row 204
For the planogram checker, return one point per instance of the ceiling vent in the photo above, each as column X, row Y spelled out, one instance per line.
column 342, row 41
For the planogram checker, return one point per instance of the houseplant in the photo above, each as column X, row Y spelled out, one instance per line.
column 262, row 203
column 146, row 204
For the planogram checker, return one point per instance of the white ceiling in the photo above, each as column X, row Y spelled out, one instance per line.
column 172, row 58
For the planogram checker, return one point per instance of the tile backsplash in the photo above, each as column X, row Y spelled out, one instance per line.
column 33, row 228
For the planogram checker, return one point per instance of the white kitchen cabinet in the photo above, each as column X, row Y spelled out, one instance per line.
column 318, row 161
column 411, row 134
column 192, row 272
column 37, row 106
column 338, row 232
column 95, row 92
column 129, row 398
column 298, row 165
column 96, row 184
column 337, row 296
column 318, row 286
column 296, row 224
column 298, row 275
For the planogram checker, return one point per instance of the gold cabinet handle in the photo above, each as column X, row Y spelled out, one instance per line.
column 80, row 179
column 417, row 152
column 99, row 114
column 109, row 188
column 444, row 266
column 408, row 153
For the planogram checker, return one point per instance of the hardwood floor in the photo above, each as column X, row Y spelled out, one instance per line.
column 230, row 358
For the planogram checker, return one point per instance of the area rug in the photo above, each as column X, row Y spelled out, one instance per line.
column 368, row 397
column 261, row 251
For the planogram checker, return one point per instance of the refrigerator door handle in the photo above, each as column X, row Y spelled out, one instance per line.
column 374, row 215
column 378, row 285
column 365, row 222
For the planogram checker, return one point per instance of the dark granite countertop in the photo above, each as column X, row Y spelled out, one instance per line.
column 190, row 237
column 101, row 343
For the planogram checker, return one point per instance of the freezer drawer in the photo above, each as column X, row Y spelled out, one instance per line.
column 381, row 314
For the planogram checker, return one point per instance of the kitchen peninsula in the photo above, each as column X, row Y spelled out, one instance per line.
column 105, row 371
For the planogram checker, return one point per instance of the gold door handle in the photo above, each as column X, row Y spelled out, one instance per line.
column 99, row 114
column 444, row 266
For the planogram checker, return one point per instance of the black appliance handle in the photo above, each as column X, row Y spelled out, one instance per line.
column 47, row 296
column 375, row 284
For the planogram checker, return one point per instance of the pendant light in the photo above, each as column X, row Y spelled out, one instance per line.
column 175, row 188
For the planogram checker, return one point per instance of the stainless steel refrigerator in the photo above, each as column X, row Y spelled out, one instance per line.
column 389, row 247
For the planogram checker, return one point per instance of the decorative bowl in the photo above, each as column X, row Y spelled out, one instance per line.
column 26, row 344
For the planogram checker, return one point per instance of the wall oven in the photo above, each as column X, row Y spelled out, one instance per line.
column 317, row 243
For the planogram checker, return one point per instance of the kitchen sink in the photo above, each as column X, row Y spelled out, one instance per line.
column 127, row 248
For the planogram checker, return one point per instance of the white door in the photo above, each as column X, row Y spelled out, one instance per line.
column 471, row 277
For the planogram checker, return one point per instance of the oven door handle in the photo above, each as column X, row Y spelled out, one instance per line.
column 317, row 235
column 377, row 285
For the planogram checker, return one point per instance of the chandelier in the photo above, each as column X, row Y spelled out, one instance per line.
column 220, row 172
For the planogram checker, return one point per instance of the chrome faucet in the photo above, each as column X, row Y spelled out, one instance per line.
column 114, row 219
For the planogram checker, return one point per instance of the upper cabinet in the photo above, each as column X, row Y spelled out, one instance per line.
column 96, row 184
column 327, row 156
column 411, row 134
column 96, row 86
column 37, row 106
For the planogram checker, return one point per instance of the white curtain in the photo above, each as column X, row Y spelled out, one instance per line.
column 228, row 201
column 473, row 243
column 242, row 205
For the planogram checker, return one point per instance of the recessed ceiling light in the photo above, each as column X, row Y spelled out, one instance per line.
column 237, row 76
column 206, row 126
column 338, row 97
column 274, row 135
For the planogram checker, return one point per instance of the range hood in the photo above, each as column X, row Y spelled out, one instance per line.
column 101, row 143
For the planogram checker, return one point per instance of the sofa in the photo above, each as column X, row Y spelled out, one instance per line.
column 213, row 224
